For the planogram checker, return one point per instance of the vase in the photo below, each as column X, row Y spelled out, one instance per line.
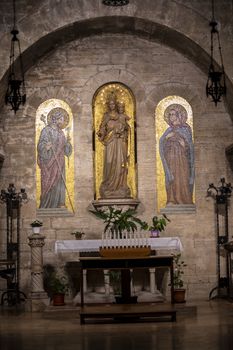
column 179, row 295
column 154, row 233
column 58, row 299
column 36, row 229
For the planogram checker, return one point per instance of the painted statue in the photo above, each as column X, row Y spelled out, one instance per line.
column 114, row 134
column 177, row 155
column 53, row 146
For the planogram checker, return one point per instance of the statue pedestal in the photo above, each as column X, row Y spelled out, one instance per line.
column 178, row 209
column 117, row 203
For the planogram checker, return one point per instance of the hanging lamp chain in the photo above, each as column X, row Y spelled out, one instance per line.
column 16, row 91
column 216, row 83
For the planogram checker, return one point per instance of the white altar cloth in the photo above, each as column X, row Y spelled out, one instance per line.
column 93, row 245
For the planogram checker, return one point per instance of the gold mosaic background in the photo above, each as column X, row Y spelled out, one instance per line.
column 43, row 110
column 160, row 127
column 99, row 108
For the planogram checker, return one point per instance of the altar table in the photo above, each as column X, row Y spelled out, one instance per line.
column 124, row 264
column 160, row 244
column 93, row 245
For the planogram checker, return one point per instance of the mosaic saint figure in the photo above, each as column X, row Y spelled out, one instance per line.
column 52, row 148
column 114, row 134
column 177, row 155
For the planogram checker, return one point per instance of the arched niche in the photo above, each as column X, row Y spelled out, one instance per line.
column 174, row 154
column 55, row 156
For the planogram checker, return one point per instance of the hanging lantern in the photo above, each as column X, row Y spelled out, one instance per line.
column 115, row 2
column 216, row 84
column 16, row 92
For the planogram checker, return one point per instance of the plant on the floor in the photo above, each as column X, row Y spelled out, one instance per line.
column 178, row 283
column 58, row 285
column 119, row 221
column 179, row 265
column 115, row 280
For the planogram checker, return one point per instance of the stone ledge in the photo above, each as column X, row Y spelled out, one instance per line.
column 179, row 209
column 121, row 203
column 55, row 212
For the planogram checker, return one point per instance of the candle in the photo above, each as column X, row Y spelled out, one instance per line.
column 126, row 239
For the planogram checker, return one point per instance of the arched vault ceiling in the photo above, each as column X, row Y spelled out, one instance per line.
column 143, row 28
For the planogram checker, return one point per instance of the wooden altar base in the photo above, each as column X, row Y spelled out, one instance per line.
column 129, row 312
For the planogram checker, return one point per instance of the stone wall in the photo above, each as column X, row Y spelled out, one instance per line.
column 73, row 71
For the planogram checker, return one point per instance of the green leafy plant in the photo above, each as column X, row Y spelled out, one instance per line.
column 119, row 220
column 178, row 271
column 159, row 223
column 78, row 234
column 115, row 280
column 36, row 223
column 58, row 284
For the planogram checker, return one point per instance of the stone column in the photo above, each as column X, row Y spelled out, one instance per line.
column 84, row 281
column 39, row 298
column 107, row 282
column 131, row 281
column 152, row 281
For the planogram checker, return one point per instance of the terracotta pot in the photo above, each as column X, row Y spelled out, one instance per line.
column 58, row 299
column 179, row 295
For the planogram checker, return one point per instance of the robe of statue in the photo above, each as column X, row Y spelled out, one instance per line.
column 114, row 131
column 52, row 165
column 176, row 151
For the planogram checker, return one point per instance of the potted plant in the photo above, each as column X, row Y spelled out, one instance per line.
column 78, row 234
column 36, row 225
column 58, row 286
column 178, row 283
column 119, row 220
column 158, row 225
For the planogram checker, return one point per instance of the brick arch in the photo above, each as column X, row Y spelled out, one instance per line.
column 167, row 89
column 140, row 27
column 40, row 95
column 113, row 75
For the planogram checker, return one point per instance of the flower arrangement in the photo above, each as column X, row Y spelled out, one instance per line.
column 78, row 234
column 36, row 223
column 158, row 225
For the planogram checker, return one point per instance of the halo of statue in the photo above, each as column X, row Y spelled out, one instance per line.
column 56, row 113
column 180, row 110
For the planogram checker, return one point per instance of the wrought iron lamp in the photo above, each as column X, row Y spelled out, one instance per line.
column 216, row 84
column 16, row 92
column 11, row 195
column 221, row 194
column 115, row 2
column 13, row 201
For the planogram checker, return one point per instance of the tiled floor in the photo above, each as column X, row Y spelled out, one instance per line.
column 210, row 328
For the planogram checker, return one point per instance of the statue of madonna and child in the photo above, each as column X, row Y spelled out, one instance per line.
column 114, row 134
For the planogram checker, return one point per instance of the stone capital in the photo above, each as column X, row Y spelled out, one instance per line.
column 36, row 240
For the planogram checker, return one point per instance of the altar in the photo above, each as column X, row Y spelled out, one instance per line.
column 72, row 250
column 160, row 244
column 124, row 265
